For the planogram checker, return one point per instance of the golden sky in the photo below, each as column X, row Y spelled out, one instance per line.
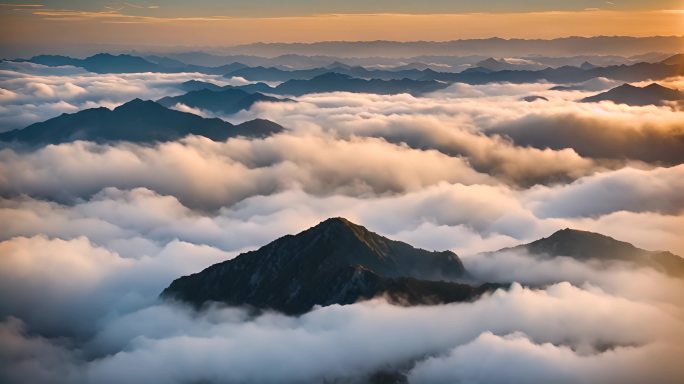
column 38, row 24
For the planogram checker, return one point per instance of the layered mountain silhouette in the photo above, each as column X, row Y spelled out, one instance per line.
column 653, row 94
column 677, row 59
column 486, row 71
column 490, row 71
column 196, row 85
column 108, row 63
column 261, row 73
column 583, row 246
column 135, row 121
column 596, row 85
column 565, row 74
column 332, row 82
column 587, row 66
column 335, row 262
column 495, row 46
column 329, row 82
column 494, row 65
column 227, row 101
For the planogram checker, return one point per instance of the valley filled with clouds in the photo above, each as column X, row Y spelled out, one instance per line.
column 93, row 232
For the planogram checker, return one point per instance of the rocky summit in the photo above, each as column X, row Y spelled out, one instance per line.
column 335, row 262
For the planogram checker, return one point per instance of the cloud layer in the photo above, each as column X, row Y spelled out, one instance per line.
column 92, row 233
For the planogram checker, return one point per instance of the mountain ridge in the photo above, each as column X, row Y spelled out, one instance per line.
column 334, row 262
column 223, row 100
column 585, row 245
column 339, row 262
column 137, row 121
column 652, row 94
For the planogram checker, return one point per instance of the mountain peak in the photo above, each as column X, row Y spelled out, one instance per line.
column 489, row 60
column 334, row 221
column 587, row 65
column 653, row 94
column 138, row 105
column 626, row 86
column 656, row 86
column 584, row 245
column 338, row 222
column 574, row 242
column 333, row 262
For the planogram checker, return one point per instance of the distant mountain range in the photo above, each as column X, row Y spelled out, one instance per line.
column 107, row 63
column 196, row 85
column 490, row 70
column 335, row 262
column 567, row 46
column 441, row 62
column 276, row 74
column 135, row 121
column 653, row 94
column 338, row 262
column 487, row 71
column 672, row 66
column 219, row 100
column 493, row 64
column 596, row 84
column 330, row 82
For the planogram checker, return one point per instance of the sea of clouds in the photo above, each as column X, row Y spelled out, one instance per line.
column 92, row 233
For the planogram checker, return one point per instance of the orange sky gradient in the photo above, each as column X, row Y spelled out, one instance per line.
column 35, row 25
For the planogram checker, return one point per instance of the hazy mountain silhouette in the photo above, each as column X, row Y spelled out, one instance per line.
column 498, row 47
column 509, row 64
column 335, row 262
column 108, row 63
column 596, row 84
column 677, row 59
column 533, row 98
column 562, row 75
column 136, row 121
column 101, row 63
column 587, row 66
column 227, row 101
column 491, row 71
column 196, row 85
column 583, row 246
column 328, row 82
column 653, row 94
column 276, row 74
column 332, row 82
column 500, row 71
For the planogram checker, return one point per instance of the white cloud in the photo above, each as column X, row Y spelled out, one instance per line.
column 92, row 233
